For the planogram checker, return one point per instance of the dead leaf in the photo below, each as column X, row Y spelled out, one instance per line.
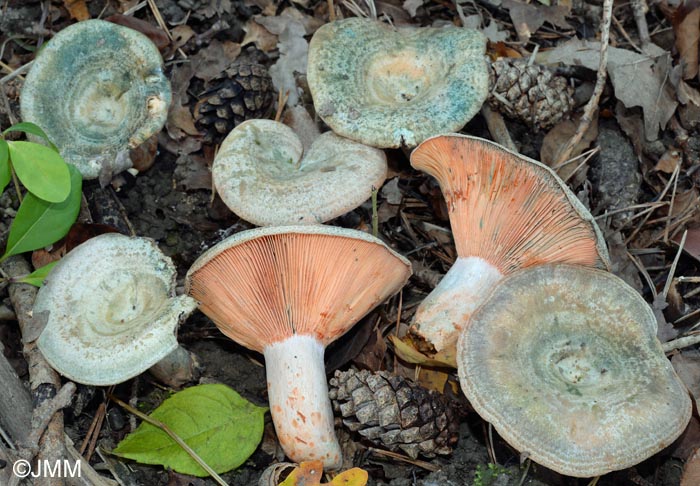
column 181, row 34
column 691, row 470
column 493, row 33
column 686, row 26
column 558, row 137
column 77, row 9
column 294, row 51
column 638, row 79
column 692, row 242
column 310, row 473
column 688, row 442
column 528, row 18
column 406, row 350
column 143, row 156
column 79, row 233
column 214, row 59
column 391, row 192
column 311, row 24
column 411, row 6
column 258, row 35
column 371, row 356
column 156, row 34
column 687, row 366
column 432, row 379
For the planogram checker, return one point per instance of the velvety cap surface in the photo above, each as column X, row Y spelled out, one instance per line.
column 96, row 89
column 262, row 175
column 111, row 310
column 564, row 361
column 387, row 87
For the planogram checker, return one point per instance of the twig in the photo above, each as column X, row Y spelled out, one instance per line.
column 497, row 127
column 17, row 72
column 639, row 9
column 394, row 455
column 281, row 102
column 161, row 23
column 680, row 343
column 45, row 412
column 331, row 11
column 601, row 76
column 624, row 33
column 375, row 213
column 172, row 435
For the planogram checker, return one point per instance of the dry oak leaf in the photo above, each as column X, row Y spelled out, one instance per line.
column 638, row 79
column 528, row 18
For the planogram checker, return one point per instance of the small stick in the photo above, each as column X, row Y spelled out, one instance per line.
column 375, row 214
column 425, row 465
column 331, row 11
column 281, row 102
column 161, row 24
column 601, row 76
column 17, row 72
column 680, row 343
column 172, row 435
column 497, row 127
column 639, row 9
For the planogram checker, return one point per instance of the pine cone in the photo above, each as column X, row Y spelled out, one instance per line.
column 395, row 412
column 242, row 92
column 530, row 94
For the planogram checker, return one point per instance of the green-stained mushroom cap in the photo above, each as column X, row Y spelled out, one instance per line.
column 97, row 89
column 387, row 87
column 563, row 360
column 263, row 176
column 111, row 310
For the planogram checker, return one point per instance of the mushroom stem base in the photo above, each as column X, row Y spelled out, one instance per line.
column 446, row 310
column 299, row 403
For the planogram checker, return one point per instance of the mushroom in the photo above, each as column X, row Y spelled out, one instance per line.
column 506, row 211
column 261, row 175
column 386, row 86
column 111, row 310
column 287, row 292
column 97, row 89
column 563, row 360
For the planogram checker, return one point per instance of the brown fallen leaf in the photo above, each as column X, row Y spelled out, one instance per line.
column 529, row 17
column 214, row 59
column 77, row 9
column 692, row 242
column 687, row 366
column 638, row 79
column 143, row 156
column 558, row 137
column 156, row 34
column 686, row 26
column 691, row 470
column 258, row 35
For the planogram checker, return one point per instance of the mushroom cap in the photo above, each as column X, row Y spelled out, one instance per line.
column 264, row 285
column 111, row 310
column 261, row 175
column 563, row 360
column 388, row 87
column 508, row 209
column 97, row 89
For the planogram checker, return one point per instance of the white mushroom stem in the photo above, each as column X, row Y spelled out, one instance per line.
column 299, row 403
column 443, row 313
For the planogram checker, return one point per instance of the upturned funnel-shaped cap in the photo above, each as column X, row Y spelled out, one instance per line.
column 262, row 175
column 111, row 310
column 264, row 285
column 563, row 360
column 510, row 210
column 387, row 87
column 97, row 89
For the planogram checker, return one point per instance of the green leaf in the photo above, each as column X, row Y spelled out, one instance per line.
column 5, row 172
column 42, row 171
column 39, row 223
column 37, row 277
column 28, row 127
column 220, row 426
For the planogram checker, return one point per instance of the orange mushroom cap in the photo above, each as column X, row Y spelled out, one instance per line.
column 264, row 285
column 510, row 210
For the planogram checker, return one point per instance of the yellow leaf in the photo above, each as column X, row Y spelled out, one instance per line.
column 307, row 474
column 351, row 477
column 410, row 354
